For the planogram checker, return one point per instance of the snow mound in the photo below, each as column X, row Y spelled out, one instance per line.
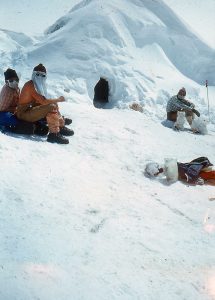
column 139, row 48
column 12, row 48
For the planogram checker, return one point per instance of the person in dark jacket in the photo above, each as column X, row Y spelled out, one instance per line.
column 101, row 93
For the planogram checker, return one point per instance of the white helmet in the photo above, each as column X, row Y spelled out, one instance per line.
column 152, row 169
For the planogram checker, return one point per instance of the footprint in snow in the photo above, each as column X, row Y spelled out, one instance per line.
column 97, row 227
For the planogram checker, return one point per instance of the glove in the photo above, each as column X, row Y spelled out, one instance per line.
column 196, row 112
column 199, row 181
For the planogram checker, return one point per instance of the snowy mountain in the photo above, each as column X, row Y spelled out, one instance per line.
column 146, row 55
column 12, row 49
column 82, row 221
column 150, row 23
column 102, row 39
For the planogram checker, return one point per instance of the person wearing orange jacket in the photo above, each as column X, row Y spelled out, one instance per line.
column 34, row 105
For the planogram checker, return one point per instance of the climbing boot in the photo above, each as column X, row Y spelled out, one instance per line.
column 66, row 131
column 67, row 121
column 57, row 138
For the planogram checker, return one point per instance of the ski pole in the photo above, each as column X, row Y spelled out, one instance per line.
column 206, row 84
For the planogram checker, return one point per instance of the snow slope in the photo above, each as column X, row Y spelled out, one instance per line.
column 82, row 221
column 12, row 49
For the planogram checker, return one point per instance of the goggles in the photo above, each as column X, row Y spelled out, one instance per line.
column 13, row 80
column 40, row 74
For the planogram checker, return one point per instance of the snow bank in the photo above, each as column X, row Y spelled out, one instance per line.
column 12, row 50
column 101, row 39
column 141, row 47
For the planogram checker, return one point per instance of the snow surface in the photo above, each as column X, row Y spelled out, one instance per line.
column 82, row 221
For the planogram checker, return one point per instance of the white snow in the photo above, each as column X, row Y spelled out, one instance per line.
column 82, row 221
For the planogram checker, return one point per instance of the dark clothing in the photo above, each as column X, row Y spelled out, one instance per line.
column 10, row 123
column 172, row 116
column 190, row 171
column 8, row 119
column 22, row 127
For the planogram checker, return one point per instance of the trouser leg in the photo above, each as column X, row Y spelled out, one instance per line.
column 172, row 116
column 61, row 121
column 33, row 114
column 189, row 116
column 53, row 122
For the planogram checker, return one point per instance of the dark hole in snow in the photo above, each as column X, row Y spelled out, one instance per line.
column 101, row 93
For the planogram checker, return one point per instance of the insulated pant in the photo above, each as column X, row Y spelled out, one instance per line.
column 189, row 115
column 30, row 113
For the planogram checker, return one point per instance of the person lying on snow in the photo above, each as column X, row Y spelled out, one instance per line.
column 178, row 103
column 34, row 106
column 198, row 171
column 9, row 97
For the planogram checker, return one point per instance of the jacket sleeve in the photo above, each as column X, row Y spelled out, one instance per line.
column 184, row 104
column 8, row 99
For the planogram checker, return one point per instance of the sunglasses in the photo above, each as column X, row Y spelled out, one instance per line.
column 41, row 75
column 13, row 80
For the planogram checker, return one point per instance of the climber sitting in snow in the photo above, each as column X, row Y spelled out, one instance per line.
column 177, row 104
column 34, row 106
column 9, row 98
column 198, row 171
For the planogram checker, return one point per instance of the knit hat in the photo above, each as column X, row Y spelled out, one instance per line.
column 40, row 68
column 182, row 92
column 10, row 73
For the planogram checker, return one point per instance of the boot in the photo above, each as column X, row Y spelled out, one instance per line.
column 66, row 131
column 67, row 121
column 57, row 138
